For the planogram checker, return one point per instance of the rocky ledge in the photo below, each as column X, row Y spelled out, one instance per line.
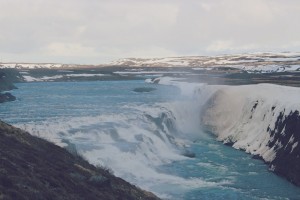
column 6, row 97
column 32, row 168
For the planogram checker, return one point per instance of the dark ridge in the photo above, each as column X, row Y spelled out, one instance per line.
column 7, row 78
column 6, row 85
column 32, row 168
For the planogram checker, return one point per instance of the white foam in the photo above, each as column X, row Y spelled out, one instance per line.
column 131, row 144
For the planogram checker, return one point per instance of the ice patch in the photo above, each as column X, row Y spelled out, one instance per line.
column 85, row 75
column 30, row 78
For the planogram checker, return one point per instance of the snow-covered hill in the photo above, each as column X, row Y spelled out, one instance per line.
column 39, row 66
column 253, row 63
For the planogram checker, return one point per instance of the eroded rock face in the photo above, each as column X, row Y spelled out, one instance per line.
column 261, row 119
column 286, row 139
column 32, row 168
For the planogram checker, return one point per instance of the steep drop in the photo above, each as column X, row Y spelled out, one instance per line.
column 262, row 120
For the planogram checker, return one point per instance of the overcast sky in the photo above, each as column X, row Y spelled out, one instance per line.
column 98, row 31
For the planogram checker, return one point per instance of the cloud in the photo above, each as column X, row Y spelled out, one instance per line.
column 69, row 49
column 227, row 45
column 220, row 46
column 101, row 30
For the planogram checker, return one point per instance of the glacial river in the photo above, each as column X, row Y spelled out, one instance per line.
column 143, row 132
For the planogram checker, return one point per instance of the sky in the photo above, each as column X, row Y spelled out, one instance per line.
column 100, row 31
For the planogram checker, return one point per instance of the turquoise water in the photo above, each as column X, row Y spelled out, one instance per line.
column 141, row 136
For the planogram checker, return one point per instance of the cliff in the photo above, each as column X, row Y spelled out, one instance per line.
column 261, row 119
column 32, row 168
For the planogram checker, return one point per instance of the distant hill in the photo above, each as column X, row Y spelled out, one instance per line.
column 7, row 77
column 251, row 62
column 32, row 168
column 251, row 68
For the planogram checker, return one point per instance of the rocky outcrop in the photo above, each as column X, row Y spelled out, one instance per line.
column 32, row 168
column 286, row 139
column 261, row 119
column 7, row 97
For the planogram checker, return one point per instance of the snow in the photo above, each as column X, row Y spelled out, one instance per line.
column 44, row 78
column 291, row 140
column 252, row 63
column 150, row 72
column 28, row 78
column 294, row 146
column 283, row 59
column 85, row 75
column 271, row 68
column 37, row 65
column 29, row 65
column 203, row 68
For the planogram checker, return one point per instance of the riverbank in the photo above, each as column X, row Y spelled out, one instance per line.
column 32, row 168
